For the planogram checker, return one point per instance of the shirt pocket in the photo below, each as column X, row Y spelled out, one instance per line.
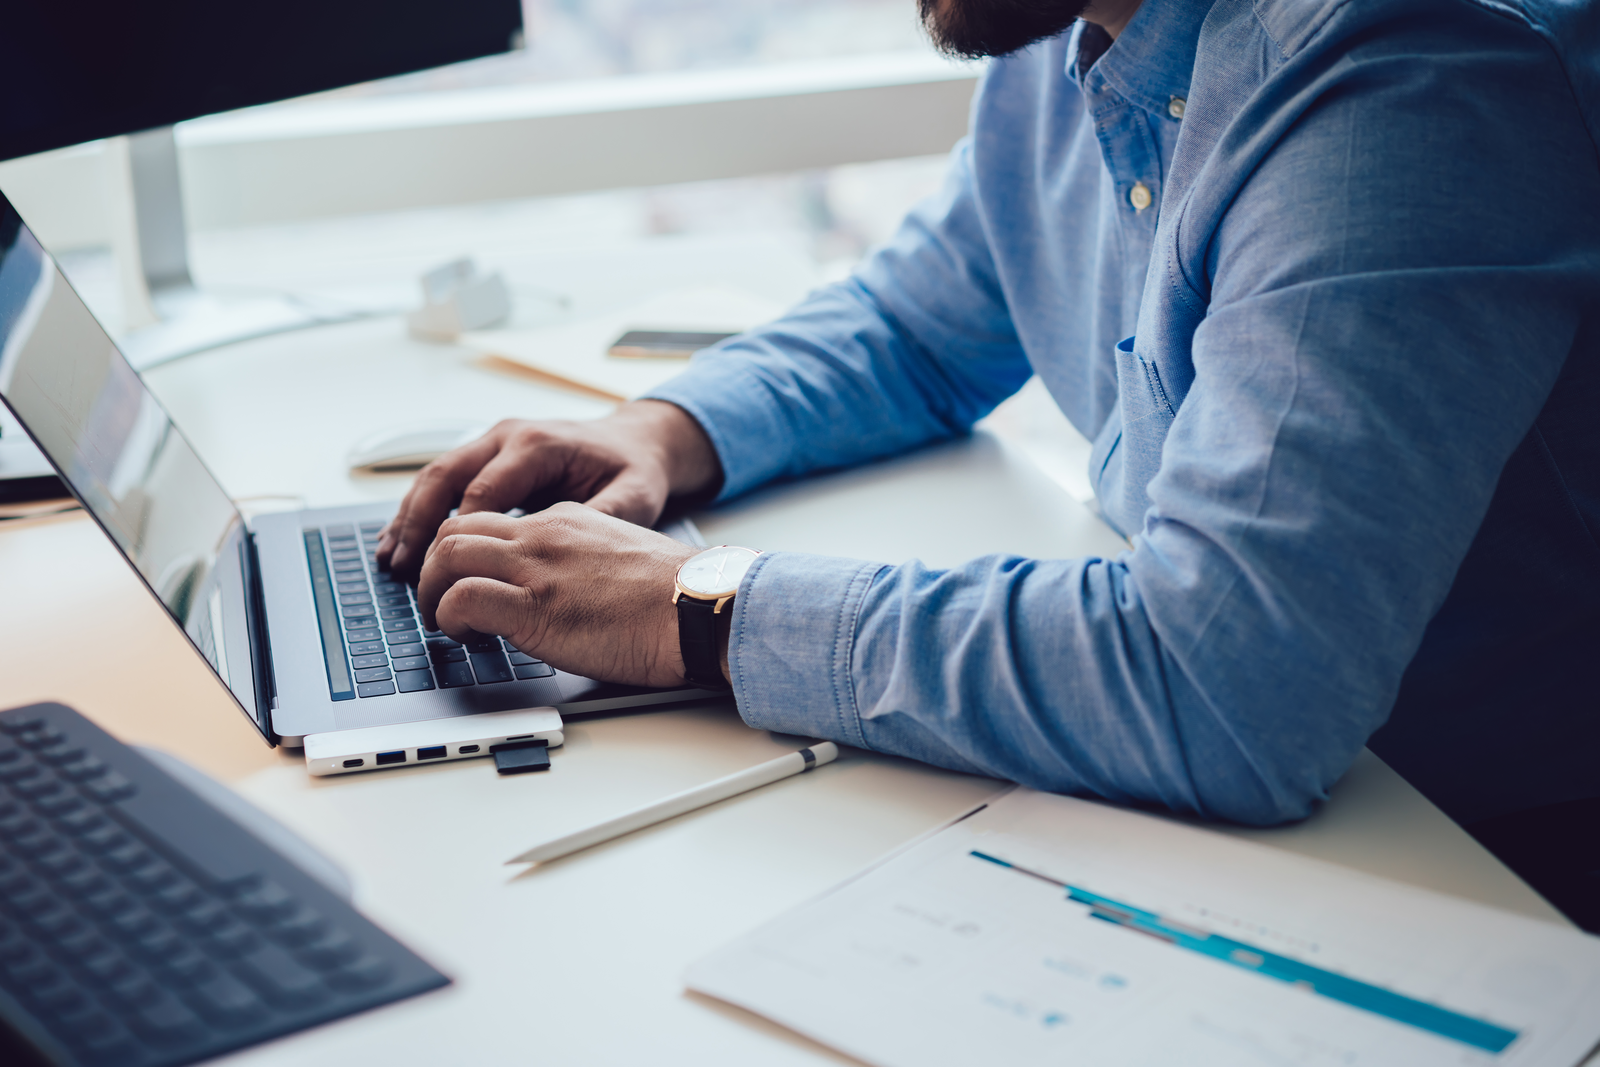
column 1147, row 416
column 1139, row 389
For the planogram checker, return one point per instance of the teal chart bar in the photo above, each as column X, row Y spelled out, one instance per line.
column 1385, row 1002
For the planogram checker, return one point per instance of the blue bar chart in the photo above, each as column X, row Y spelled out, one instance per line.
column 1039, row 930
column 1478, row 1033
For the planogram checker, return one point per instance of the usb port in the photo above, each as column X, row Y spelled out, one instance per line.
column 464, row 749
column 354, row 762
column 391, row 757
column 436, row 752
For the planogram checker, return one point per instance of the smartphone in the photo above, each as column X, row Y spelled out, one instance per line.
column 663, row 344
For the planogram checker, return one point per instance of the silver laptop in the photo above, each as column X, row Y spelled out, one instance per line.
column 289, row 609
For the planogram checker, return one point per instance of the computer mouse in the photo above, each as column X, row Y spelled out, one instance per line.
column 409, row 448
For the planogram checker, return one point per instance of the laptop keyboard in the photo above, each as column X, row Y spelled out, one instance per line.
column 140, row 927
column 372, row 638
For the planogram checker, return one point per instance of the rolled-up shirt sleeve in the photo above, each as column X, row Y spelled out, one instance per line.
column 915, row 347
column 1378, row 336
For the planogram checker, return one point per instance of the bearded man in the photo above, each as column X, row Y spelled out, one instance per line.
column 1321, row 281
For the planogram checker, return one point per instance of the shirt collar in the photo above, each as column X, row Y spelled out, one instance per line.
column 1151, row 60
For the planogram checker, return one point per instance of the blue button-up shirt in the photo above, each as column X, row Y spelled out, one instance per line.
column 1342, row 376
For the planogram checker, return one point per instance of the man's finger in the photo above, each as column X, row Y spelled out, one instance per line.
column 458, row 556
column 436, row 491
column 485, row 606
column 512, row 476
column 632, row 497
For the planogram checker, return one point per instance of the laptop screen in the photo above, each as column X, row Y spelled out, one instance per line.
column 119, row 452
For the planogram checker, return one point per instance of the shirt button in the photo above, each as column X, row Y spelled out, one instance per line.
column 1139, row 196
column 1175, row 107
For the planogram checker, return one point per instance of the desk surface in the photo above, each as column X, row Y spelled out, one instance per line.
column 579, row 962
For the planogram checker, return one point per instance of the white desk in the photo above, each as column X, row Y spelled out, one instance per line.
column 578, row 963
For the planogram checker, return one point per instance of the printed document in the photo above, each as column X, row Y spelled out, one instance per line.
column 1048, row 930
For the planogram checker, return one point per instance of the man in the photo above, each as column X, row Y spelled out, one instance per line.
column 1321, row 281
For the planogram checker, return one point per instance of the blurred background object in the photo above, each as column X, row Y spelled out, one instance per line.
column 628, row 141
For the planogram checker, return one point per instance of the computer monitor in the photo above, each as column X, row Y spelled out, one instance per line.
column 76, row 70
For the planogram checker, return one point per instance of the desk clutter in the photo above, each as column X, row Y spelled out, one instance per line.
column 624, row 354
column 1042, row 929
column 141, row 924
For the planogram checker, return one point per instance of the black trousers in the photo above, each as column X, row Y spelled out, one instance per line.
column 1555, row 849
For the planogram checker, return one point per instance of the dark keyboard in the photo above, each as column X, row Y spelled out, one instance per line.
column 372, row 639
column 140, row 926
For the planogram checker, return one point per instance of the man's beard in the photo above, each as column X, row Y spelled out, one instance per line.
column 977, row 28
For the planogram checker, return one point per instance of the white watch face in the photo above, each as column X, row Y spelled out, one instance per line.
column 716, row 572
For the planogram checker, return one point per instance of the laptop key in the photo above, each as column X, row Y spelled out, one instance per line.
column 400, row 624
column 166, row 1021
column 405, row 651
column 366, row 648
column 396, row 613
column 534, row 670
column 373, row 674
column 491, row 667
column 448, row 655
column 414, row 681
column 401, row 637
column 281, row 977
column 41, row 737
column 454, row 675
column 363, row 662
column 521, row 659
column 361, row 973
column 375, row 689
column 60, row 753
column 418, row 662
column 21, row 724
column 109, row 787
column 227, row 1000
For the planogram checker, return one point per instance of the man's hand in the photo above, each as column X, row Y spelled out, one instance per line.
column 626, row 464
column 581, row 590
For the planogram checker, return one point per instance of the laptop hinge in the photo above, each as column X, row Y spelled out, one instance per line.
column 266, row 684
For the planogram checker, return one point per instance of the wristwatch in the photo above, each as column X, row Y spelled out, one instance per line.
column 706, row 584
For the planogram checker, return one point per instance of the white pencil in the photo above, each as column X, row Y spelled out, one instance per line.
column 688, row 800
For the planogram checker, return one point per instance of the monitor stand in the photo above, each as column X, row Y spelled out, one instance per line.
column 189, row 319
